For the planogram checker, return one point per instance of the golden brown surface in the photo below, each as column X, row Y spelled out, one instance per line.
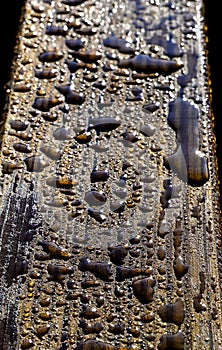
column 110, row 218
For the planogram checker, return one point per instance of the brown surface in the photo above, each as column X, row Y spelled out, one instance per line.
column 110, row 221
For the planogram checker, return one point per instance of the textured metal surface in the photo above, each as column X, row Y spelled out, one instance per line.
column 110, row 218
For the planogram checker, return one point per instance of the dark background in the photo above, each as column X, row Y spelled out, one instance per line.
column 9, row 23
column 214, row 31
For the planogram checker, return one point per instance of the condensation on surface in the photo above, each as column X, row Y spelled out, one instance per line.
column 109, row 205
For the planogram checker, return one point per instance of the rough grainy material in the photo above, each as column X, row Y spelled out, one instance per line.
column 110, row 218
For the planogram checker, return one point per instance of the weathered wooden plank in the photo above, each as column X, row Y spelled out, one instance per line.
column 110, row 218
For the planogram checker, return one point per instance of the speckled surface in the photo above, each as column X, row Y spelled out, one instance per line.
column 110, row 219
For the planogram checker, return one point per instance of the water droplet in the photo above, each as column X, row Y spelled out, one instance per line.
column 74, row 44
column 89, row 313
column 62, row 134
column 51, row 56
column 187, row 162
column 54, row 250
column 173, row 313
column 51, row 152
column 61, row 182
column 27, row 344
column 74, row 2
column 87, row 56
column 145, row 64
column 147, row 130
column 35, row 164
column 99, row 176
column 8, row 168
column 117, row 254
column 97, row 215
column 95, row 198
column 21, row 147
column 98, row 269
column 143, row 290
column 56, row 30
column 123, row 273
column 45, row 104
column 180, row 268
column 18, row 125
column 119, row 44
column 103, row 124
column 71, row 97
column 83, row 137
column 172, row 341
column 46, row 73
column 42, row 330
column 58, row 272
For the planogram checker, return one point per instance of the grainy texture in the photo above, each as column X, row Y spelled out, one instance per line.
column 110, row 218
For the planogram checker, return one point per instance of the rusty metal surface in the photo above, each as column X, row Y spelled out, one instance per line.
column 110, row 218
